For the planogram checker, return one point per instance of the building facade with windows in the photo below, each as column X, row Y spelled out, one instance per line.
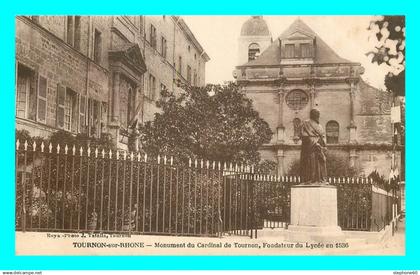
column 298, row 72
column 99, row 75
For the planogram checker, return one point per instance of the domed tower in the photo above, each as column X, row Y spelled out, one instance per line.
column 254, row 39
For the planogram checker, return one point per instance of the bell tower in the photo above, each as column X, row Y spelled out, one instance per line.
column 254, row 39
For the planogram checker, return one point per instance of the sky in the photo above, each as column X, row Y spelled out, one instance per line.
column 347, row 35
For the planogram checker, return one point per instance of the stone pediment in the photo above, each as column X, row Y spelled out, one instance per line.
column 299, row 35
column 129, row 55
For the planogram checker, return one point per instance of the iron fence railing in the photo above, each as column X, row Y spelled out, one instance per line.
column 79, row 189
column 84, row 189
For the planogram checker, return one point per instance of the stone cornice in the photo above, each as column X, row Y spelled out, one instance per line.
column 348, row 146
column 351, row 80
column 298, row 65
column 190, row 36
column 287, row 81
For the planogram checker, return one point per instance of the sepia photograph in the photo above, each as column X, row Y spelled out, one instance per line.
column 210, row 135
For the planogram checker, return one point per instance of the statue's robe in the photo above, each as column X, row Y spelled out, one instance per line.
column 312, row 157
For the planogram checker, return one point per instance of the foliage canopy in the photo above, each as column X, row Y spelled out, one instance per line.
column 216, row 123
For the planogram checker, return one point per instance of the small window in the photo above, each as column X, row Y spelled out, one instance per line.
column 94, row 117
column 332, row 130
column 189, row 48
column 70, row 29
column 305, row 50
column 296, row 99
column 180, row 64
column 97, row 47
column 153, row 41
column 195, row 78
column 70, row 104
column 253, row 51
column 25, row 93
column 189, row 74
column 163, row 47
column 73, row 31
column 152, row 87
column 77, row 32
column 289, row 51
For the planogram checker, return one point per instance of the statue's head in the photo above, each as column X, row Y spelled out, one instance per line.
column 314, row 115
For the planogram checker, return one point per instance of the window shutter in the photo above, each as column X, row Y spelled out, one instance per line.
column 89, row 116
column 32, row 111
column 103, row 115
column 305, row 50
column 149, row 86
column 82, row 114
column 22, row 89
column 289, row 51
column 70, row 30
column 42, row 100
column 74, row 112
column 153, row 88
column 61, row 95
column 77, row 26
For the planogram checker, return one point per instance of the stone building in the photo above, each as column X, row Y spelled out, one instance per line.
column 299, row 71
column 99, row 75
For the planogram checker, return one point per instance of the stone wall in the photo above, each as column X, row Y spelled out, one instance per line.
column 50, row 57
column 42, row 45
column 332, row 100
column 373, row 119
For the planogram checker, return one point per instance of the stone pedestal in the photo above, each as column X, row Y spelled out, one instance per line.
column 314, row 214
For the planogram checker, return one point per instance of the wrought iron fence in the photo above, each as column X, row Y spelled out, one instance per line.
column 382, row 204
column 84, row 189
column 79, row 189
column 360, row 204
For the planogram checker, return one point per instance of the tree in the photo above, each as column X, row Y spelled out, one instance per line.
column 216, row 123
column 390, row 49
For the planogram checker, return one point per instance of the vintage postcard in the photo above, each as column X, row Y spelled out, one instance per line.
column 210, row 135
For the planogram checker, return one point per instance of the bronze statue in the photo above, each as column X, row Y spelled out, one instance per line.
column 313, row 167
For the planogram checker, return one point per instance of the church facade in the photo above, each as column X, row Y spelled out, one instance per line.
column 298, row 71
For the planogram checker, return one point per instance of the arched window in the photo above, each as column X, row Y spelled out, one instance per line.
column 332, row 130
column 296, row 99
column 253, row 51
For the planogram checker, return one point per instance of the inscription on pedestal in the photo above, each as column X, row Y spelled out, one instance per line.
column 314, row 205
